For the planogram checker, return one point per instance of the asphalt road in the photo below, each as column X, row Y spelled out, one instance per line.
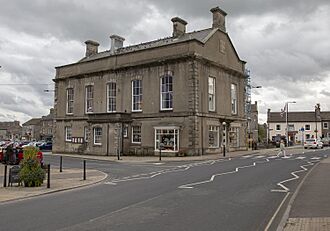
column 231, row 194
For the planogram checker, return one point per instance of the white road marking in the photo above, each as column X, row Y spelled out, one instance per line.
column 111, row 183
column 258, row 157
column 300, row 158
column 276, row 212
column 247, row 156
column 295, row 176
column 158, row 163
column 272, row 157
column 180, row 168
column 190, row 186
column 315, row 158
column 286, row 157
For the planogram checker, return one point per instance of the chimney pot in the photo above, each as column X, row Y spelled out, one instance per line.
column 179, row 27
column 219, row 20
column 116, row 42
column 91, row 48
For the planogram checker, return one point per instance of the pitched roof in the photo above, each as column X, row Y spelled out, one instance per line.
column 34, row 121
column 201, row 36
column 302, row 116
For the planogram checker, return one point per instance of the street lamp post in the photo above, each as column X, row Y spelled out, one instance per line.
column 224, row 138
column 287, row 118
column 317, row 108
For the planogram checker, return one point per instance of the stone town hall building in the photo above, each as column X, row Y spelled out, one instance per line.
column 182, row 91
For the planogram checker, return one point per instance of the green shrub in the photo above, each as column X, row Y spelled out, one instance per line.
column 31, row 172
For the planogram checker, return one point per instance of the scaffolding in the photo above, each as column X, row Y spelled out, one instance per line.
column 248, row 107
column 247, row 94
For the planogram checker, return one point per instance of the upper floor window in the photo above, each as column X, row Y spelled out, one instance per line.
column 166, row 89
column 211, row 92
column 112, row 93
column 325, row 125
column 234, row 99
column 307, row 127
column 291, row 127
column 278, row 127
column 137, row 95
column 98, row 136
column 89, row 98
column 69, row 100
column 68, row 134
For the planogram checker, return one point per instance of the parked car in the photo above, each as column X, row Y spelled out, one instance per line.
column 47, row 146
column 313, row 143
column 10, row 155
column 325, row 141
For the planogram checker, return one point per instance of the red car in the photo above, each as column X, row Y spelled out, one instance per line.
column 16, row 156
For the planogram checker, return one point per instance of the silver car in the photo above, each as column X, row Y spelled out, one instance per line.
column 313, row 143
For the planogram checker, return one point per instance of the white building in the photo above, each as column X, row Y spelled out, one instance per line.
column 301, row 125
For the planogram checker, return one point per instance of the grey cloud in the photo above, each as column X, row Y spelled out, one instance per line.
column 282, row 53
column 325, row 93
column 80, row 20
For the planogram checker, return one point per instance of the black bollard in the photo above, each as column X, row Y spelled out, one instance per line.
column 84, row 169
column 61, row 162
column 224, row 150
column 48, row 176
column 5, row 177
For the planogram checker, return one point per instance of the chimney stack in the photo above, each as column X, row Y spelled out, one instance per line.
column 116, row 42
column 91, row 48
column 179, row 27
column 219, row 20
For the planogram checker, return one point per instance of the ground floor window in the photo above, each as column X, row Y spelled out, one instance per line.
column 169, row 137
column 136, row 134
column 98, row 136
column 86, row 134
column 234, row 137
column 308, row 136
column 68, row 134
column 214, row 136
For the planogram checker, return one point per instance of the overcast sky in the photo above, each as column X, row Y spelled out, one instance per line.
column 286, row 44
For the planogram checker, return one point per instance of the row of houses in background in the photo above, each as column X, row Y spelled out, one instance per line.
column 33, row 129
column 301, row 125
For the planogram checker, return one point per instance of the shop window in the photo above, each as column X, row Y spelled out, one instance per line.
column 169, row 137
column 214, row 136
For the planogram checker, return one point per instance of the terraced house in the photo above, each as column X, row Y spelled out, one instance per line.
column 184, row 92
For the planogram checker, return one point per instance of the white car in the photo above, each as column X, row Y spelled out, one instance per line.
column 313, row 143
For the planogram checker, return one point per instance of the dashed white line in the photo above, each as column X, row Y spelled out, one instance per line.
column 300, row 158
column 315, row 158
column 258, row 157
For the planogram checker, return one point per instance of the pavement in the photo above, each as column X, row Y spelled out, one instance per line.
column 308, row 211
column 59, row 181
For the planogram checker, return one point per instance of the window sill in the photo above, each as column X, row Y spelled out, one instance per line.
column 166, row 110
